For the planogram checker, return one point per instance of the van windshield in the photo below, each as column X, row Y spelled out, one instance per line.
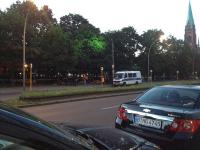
column 118, row 75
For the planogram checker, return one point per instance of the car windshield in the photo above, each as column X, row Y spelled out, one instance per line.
column 118, row 75
column 177, row 97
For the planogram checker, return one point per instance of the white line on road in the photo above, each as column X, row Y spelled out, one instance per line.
column 115, row 106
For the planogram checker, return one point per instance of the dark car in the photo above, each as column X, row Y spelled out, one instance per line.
column 21, row 131
column 167, row 115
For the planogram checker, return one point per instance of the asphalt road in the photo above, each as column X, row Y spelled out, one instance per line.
column 9, row 93
column 95, row 112
column 100, row 111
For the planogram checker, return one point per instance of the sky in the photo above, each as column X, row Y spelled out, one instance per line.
column 168, row 15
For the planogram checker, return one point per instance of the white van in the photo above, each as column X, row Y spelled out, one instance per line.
column 127, row 78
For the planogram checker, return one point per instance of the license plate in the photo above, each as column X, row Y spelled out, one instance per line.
column 148, row 122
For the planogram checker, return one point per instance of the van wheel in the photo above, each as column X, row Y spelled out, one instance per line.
column 136, row 82
column 124, row 84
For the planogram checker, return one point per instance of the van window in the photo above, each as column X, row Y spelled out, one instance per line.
column 130, row 75
column 134, row 74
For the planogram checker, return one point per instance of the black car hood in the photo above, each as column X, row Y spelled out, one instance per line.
column 112, row 138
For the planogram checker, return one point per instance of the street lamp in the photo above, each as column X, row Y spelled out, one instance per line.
column 196, row 76
column 31, row 78
column 177, row 73
column 148, row 57
column 25, row 66
column 151, row 71
column 24, row 49
column 24, row 54
column 113, row 63
column 102, row 78
column 155, row 42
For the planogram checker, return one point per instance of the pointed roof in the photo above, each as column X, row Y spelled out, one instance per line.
column 190, row 19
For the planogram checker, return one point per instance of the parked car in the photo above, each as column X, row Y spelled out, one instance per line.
column 166, row 115
column 21, row 131
column 127, row 78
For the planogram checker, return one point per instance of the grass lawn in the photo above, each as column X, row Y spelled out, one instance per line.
column 48, row 96
column 86, row 90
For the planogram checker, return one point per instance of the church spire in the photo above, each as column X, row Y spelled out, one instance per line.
column 190, row 19
column 190, row 31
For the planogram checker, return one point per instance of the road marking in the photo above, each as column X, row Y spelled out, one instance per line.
column 115, row 106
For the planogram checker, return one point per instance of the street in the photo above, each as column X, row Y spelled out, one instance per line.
column 9, row 93
column 88, row 113
column 100, row 111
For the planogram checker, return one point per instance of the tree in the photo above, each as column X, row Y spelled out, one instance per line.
column 178, row 57
column 150, row 43
column 11, row 31
column 126, row 43
column 56, row 55
column 75, row 24
column 85, row 40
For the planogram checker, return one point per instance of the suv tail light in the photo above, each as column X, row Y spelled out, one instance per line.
column 182, row 125
column 122, row 114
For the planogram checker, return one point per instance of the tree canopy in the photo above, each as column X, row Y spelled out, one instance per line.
column 74, row 45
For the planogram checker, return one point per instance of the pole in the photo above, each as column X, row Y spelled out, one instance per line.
column 102, row 77
column 113, row 63
column 31, row 78
column 24, row 54
column 177, row 73
column 148, row 59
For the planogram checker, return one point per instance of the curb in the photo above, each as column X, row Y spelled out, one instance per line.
column 80, row 99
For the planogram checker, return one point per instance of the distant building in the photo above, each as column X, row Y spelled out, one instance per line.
column 191, row 40
column 190, row 30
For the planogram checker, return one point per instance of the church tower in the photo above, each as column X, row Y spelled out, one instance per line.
column 190, row 31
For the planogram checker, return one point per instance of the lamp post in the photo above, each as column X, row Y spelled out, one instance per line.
column 151, row 71
column 24, row 53
column 196, row 76
column 31, row 78
column 148, row 57
column 155, row 42
column 24, row 49
column 102, row 78
column 177, row 73
column 113, row 63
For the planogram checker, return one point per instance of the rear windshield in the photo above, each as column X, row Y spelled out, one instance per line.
column 178, row 97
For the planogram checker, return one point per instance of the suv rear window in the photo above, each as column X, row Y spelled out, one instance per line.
column 178, row 97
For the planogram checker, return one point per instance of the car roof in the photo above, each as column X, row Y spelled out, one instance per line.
column 194, row 87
